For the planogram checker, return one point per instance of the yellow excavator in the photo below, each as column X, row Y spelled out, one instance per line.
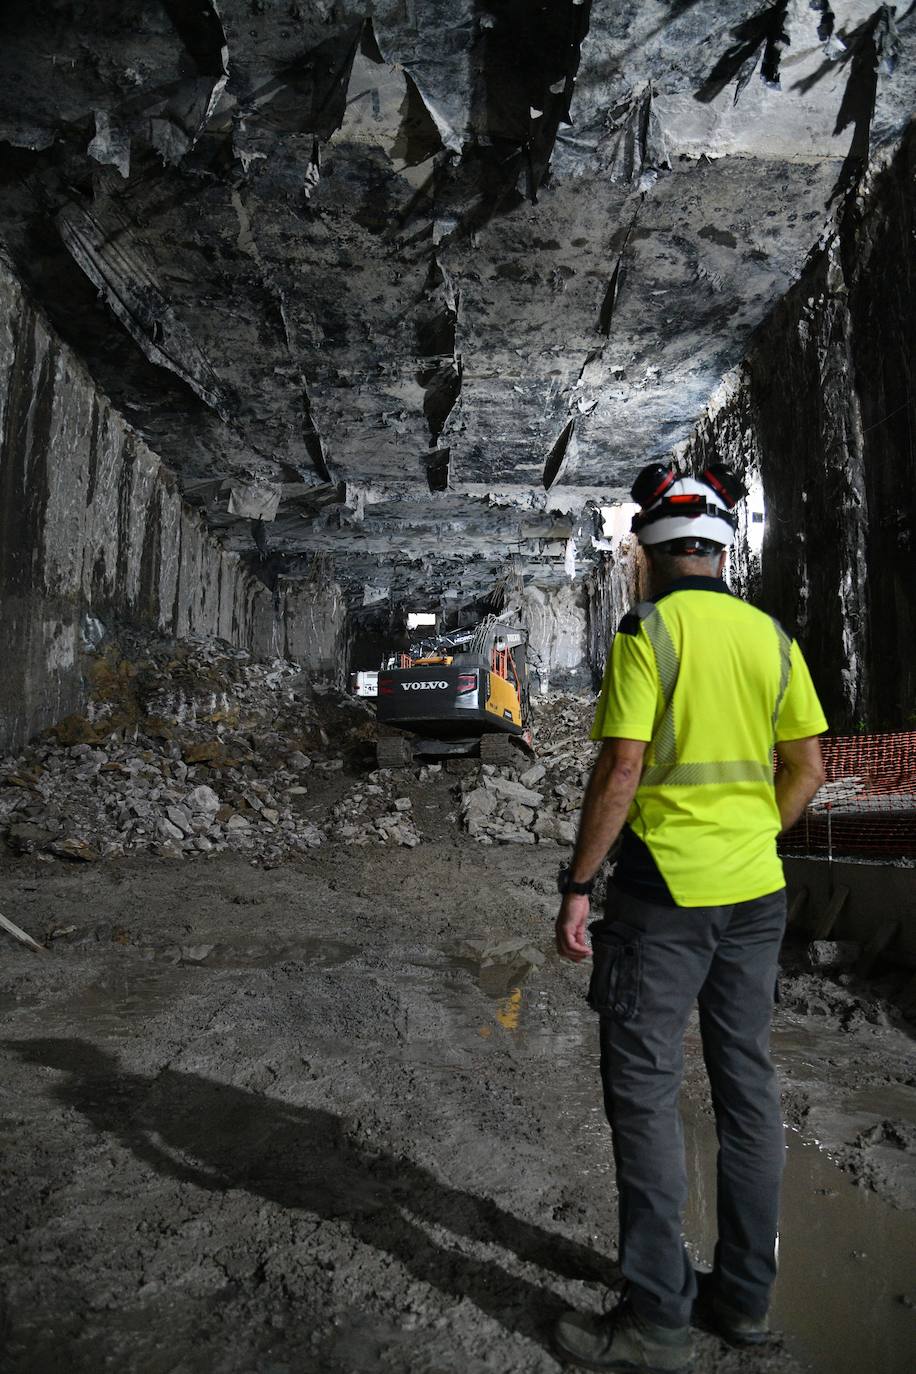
column 461, row 693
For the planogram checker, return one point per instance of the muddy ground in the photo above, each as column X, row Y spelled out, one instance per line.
column 264, row 1121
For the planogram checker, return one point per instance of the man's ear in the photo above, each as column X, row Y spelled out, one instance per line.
column 723, row 559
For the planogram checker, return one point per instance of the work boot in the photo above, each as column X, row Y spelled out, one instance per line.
column 711, row 1312
column 622, row 1340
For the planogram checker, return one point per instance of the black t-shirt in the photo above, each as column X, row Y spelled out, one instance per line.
column 637, row 873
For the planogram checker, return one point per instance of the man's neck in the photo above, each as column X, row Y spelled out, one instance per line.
column 660, row 583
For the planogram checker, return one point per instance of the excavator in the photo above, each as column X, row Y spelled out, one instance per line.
column 460, row 693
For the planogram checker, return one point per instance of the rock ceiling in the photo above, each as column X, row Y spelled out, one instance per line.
column 419, row 284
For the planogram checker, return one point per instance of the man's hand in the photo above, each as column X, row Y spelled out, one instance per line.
column 611, row 787
column 571, row 927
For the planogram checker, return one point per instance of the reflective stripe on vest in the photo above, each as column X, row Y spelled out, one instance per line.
column 785, row 667
column 666, row 771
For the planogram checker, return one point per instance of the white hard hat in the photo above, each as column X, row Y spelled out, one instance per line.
column 685, row 508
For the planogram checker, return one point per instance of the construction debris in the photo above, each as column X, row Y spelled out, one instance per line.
column 184, row 749
column 539, row 804
column 195, row 748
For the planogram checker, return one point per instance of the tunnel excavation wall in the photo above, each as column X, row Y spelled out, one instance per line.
column 555, row 618
column 310, row 624
column 822, row 410
column 615, row 585
column 93, row 527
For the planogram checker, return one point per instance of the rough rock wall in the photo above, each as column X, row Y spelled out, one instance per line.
column 556, row 621
column 878, row 263
column 822, row 412
column 616, row 584
column 571, row 626
column 311, row 626
column 93, row 525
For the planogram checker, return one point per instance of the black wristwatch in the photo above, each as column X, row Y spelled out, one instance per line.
column 565, row 884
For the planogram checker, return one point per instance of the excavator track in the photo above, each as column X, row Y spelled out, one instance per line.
column 498, row 749
column 394, row 751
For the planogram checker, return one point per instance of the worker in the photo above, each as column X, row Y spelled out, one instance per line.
column 699, row 689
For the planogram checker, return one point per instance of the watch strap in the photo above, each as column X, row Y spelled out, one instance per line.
column 567, row 885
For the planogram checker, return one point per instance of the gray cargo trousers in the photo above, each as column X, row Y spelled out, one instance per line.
column 651, row 964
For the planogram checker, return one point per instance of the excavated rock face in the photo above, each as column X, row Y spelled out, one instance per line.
column 93, row 532
column 820, row 414
column 422, row 284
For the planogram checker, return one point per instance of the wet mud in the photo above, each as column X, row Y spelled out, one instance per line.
column 344, row 1116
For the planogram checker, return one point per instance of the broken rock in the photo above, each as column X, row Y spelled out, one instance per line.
column 549, row 827
column 512, row 791
column 833, row 954
column 74, row 848
column 25, row 838
column 179, row 818
column 533, row 775
column 202, row 800
column 169, row 830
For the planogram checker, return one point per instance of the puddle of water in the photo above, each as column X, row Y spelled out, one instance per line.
column 509, row 1009
column 845, row 1258
column 116, row 1002
column 11, row 1001
column 499, row 966
column 140, row 989
column 890, row 1102
column 802, row 1050
column 502, row 979
column 315, row 950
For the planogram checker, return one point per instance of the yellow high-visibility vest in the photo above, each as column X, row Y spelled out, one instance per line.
column 712, row 684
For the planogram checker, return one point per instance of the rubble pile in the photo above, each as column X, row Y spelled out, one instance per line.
column 374, row 811
column 195, row 748
column 184, row 749
column 534, row 801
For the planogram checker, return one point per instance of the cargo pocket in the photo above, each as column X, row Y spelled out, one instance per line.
column 616, row 960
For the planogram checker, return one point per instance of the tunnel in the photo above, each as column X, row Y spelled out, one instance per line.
column 333, row 339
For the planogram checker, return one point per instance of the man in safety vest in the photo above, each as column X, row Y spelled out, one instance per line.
column 700, row 689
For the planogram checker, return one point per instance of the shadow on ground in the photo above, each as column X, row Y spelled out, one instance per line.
column 220, row 1137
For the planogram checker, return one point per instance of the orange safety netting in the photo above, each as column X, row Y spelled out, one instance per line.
column 868, row 803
